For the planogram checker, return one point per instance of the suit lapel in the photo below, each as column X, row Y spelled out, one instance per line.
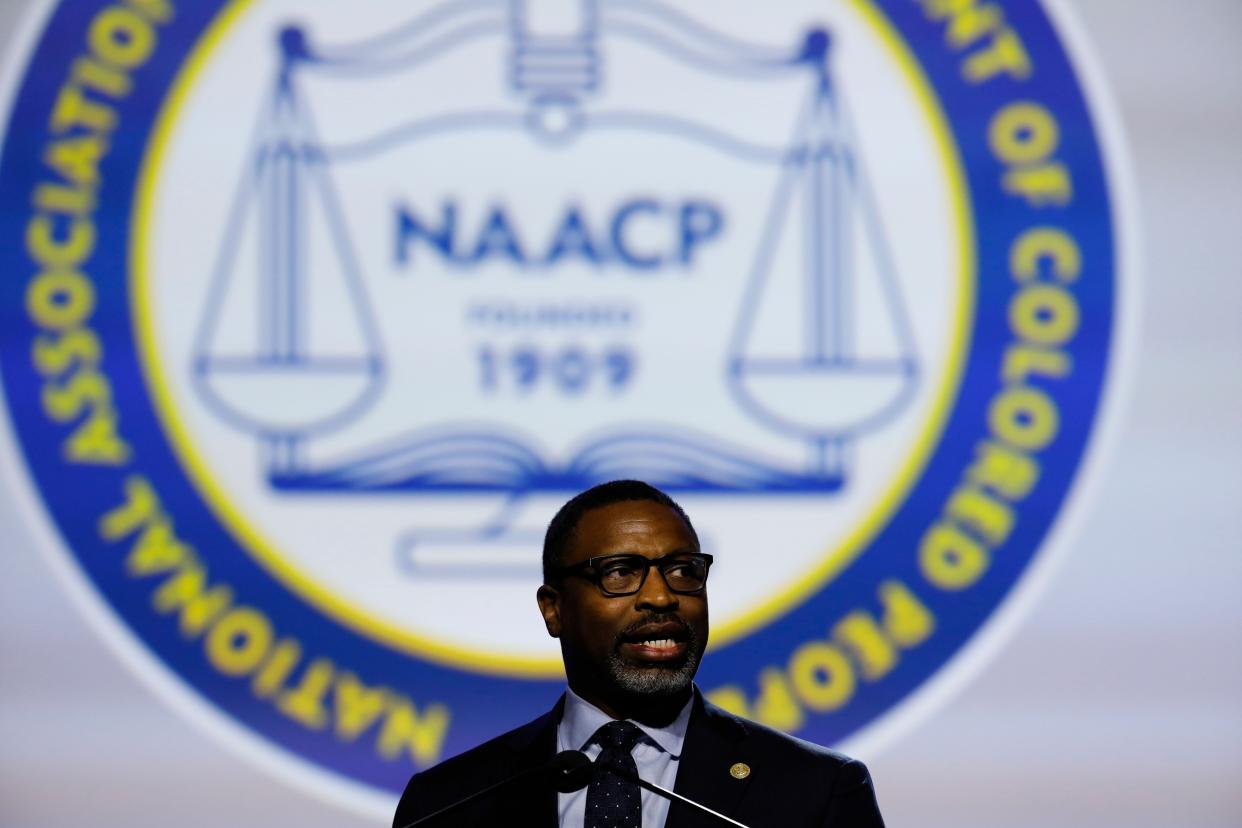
column 715, row 742
column 531, row 746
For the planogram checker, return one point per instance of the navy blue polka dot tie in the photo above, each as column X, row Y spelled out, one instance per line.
column 614, row 802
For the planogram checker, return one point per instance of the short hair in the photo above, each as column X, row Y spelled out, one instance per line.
column 565, row 522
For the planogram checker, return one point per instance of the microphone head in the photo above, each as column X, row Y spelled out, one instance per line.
column 570, row 770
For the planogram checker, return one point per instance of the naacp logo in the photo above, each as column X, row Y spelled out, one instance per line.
column 322, row 311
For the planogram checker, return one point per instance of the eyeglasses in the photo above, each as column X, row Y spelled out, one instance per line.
column 620, row 575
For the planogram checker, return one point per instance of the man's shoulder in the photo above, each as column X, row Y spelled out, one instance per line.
column 499, row 752
column 789, row 752
column 791, row 782
column 487, row 764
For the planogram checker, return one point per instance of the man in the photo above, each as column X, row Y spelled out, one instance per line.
column 625, row 593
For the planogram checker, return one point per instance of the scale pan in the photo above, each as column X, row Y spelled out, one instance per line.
column 824, row 400
column 282, row 398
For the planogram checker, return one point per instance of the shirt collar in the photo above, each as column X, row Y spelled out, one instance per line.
column 581, row 719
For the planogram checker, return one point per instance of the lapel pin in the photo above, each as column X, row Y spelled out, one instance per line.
column 740, row 771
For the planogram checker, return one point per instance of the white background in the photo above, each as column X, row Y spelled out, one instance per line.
column 1117, row 703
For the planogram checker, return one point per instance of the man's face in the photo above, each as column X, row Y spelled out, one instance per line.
column 626, row 648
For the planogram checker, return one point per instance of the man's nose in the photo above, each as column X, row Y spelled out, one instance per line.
column 655, row 592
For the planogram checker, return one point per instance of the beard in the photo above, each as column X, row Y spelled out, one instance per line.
column 658, row 678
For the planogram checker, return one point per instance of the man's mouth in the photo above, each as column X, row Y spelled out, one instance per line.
column 656, row 642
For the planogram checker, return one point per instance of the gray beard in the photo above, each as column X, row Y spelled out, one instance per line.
column 654, row 680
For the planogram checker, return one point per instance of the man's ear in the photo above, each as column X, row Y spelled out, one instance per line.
column 550, row 608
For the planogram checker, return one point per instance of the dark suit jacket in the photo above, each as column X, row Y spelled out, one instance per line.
column 791, row 782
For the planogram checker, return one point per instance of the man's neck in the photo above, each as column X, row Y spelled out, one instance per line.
column 654, row 711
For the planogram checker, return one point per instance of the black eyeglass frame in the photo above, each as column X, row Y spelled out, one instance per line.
column 583, row 570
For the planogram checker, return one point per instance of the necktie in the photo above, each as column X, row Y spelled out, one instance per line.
column 613, row 802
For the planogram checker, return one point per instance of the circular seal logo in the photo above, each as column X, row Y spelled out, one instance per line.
column 316, row 313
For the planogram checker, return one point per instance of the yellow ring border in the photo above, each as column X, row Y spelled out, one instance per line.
column 423, row 646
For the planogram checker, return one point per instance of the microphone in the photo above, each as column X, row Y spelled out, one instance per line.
column 567, row 771
column 671, row 796
column 570, row 770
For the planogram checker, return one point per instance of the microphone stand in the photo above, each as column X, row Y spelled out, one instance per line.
column 570, row 770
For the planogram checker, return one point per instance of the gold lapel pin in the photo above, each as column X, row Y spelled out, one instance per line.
column 740, row 771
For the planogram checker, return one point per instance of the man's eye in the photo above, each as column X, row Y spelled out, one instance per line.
column 618, row 570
